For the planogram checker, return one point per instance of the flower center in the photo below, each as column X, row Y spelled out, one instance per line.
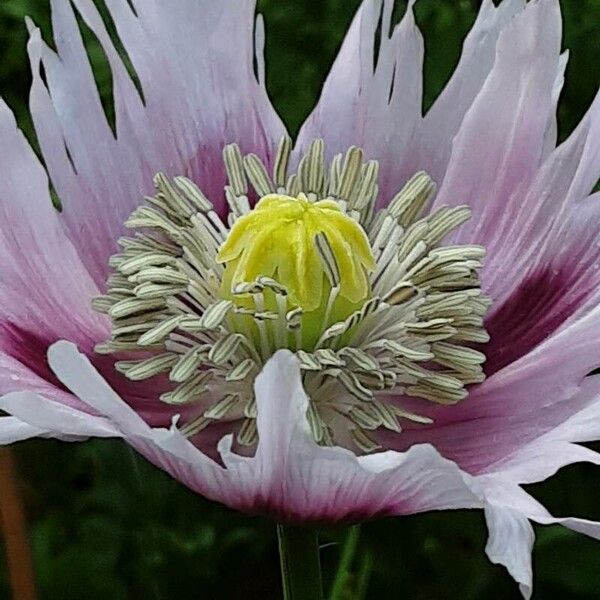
column 373, row 306
column 319, row 256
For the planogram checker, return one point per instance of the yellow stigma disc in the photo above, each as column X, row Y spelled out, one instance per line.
column 277, row 239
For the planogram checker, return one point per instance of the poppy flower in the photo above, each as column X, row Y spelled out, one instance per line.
column 397, row 313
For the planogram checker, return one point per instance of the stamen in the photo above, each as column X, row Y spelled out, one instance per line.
column 375, row 308
column 281, row 163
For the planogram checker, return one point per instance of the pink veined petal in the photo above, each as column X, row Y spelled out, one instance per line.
column 552, row 223
column 542, row 258
column 197, row 97
column 542, row 266
column 514, row 109
column 291, row 477
column 377, row 109
column 516, row 405
column 545, row 455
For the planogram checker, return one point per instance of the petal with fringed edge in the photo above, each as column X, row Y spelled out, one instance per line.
column 196, row 98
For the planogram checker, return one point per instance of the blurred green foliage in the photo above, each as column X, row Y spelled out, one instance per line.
column 105, row 524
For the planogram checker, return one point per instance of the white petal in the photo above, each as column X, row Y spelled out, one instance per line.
column 294, row 477
column 78, row 374
column 14, row 430
column 510, row 544
column 507, row 509
column 167, row 449
column 52, row 419
column 552, row 130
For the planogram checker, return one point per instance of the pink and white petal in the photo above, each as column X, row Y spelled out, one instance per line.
column 45, row 289
column 514, row 109
column 551, row 225
column 441, row 123
column 584, row 425
column 44, row 286
column 197, row 97
column 290, row 477
column 378, row 109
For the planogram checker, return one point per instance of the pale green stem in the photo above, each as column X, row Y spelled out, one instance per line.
column 300, row 564
column 338, row 589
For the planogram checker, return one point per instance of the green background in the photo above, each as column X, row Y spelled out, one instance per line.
column 105, row 524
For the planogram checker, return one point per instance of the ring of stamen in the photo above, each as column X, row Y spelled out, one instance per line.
column 410, row 335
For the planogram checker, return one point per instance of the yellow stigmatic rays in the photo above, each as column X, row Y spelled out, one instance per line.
column 303, row 245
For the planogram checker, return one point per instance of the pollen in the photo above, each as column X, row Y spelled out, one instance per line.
column 305, row 246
